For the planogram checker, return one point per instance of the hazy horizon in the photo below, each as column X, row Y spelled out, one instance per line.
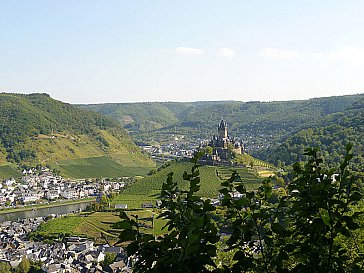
column 192, row 101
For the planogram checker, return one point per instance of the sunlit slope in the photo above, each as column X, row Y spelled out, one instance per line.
column 36, row 129
column 149, row 188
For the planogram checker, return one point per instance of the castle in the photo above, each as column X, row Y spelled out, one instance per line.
column 223, row 145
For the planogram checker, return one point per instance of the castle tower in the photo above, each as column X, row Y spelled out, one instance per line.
column 223, row 130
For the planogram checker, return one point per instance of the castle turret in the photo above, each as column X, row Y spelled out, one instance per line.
column 223, row 130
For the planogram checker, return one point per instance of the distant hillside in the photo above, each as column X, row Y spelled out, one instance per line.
column 146, row 116
column 263, row 126
column 36, row 129
column 243, row 117
column 331, row 133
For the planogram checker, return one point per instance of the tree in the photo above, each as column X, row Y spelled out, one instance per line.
column 24, row 266
column 109, row 259
column 302, row 227
column 5, row 267
column 190, row 244
column 298, row 231
column 321, row 210
column 207, row 150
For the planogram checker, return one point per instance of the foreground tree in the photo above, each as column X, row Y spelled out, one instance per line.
column 189, row 245
column 302, row 227
column 298, row 229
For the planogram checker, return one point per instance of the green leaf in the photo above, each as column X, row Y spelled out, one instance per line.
column 122, row 225
column 356, row 196
column 350, row 223
column 325, row 216
column 279, row 229
column 349, row 147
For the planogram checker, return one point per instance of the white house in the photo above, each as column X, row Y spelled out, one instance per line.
column 70, row 194
column 30, row 197
column 52, row 194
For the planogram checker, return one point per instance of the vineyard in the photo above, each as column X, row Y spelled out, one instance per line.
column 96, row 167
column 148, row 189
column 97, row 226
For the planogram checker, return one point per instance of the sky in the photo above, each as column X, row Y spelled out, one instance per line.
column 202, row 50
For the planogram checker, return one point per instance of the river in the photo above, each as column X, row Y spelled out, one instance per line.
column 42, row 212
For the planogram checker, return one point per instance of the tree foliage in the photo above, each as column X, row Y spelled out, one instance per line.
column 302, row 227
column 189, row 246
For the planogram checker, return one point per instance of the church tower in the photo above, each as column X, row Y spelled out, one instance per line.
column 222, row 130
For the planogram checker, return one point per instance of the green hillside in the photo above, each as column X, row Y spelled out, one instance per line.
column 331, row 134
column 200, row 118
column 7, row 171
column 103, row 166
column 137, row 117
column 263, row 126
column 148, row 189
column 36, row 129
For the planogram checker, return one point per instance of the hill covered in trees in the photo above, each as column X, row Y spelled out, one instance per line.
column 331, row 133
column 36, row 129
column 263, row 126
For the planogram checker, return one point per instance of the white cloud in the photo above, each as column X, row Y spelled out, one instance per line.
column 346, row 54
column 189, row 50
column 227, row 52
column 279, row 53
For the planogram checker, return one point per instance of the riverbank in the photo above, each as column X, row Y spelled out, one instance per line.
column 51, row 205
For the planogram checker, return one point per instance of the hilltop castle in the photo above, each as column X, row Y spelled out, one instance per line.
column 222, row 144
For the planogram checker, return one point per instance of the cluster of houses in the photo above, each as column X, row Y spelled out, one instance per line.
column 176, row 148
column 44, row 186
column 75, row 255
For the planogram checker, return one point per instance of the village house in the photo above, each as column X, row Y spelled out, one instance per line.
column 70, row 194
column 52, row 194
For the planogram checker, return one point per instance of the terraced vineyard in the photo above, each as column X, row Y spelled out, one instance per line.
column 148, row 189
column 97, row 166
column 248, row 176
column 96, row 226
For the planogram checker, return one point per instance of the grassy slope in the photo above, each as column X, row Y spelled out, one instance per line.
column 9, row 170
column 97, row 167
column 147, row 189
column 95, row 226
column 81, row 156
column 30, row 122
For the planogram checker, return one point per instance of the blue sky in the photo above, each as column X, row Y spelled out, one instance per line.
column 127, row 51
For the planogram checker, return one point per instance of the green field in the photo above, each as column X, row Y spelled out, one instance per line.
column 97, row 226
column 92, row 167
column 148, row 189
column 152, row 185
column 8, row 171
column 247, row 175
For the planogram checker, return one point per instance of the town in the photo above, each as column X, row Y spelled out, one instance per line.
column 73, row 255
column 43, row 186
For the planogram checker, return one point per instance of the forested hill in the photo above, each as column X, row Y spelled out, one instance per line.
column 148, row 116
column 331, row 133
column 202, row 117
column 38, row 129
column 263, row 121
column 263, row 126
